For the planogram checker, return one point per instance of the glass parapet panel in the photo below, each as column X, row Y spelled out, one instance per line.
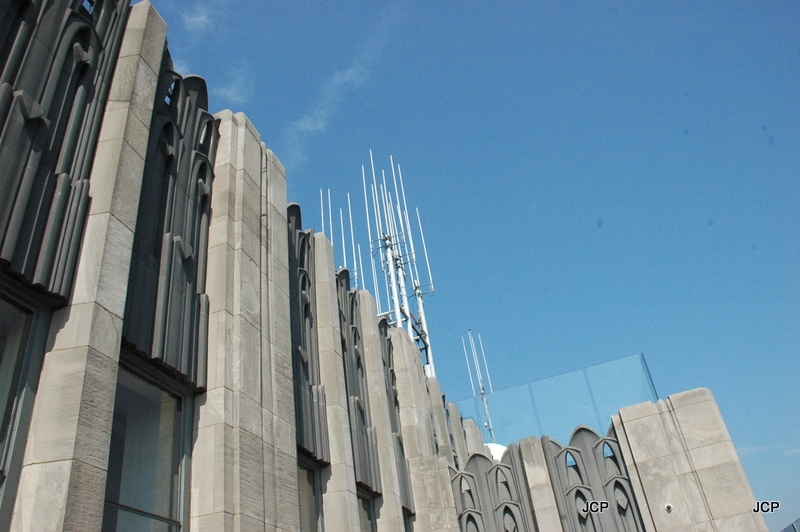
column 557, row 405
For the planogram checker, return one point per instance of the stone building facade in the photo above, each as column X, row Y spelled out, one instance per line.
column 179, row 353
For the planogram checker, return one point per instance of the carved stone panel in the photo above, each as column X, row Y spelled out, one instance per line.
column 362, row 433
column 309, row 394
column 166, row 315
column 591, row 485
column 406, row 497
column 56, row 63
column 491, row 496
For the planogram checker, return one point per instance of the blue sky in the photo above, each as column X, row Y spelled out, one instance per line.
column 596, row 179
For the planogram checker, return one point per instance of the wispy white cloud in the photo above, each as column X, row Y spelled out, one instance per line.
column 197, row 20
column 332, row 92
column 239, row 88
column 782, row 449
column 180, row 66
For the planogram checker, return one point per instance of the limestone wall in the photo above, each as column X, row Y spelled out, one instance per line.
column 680, row 454
column 243, row 461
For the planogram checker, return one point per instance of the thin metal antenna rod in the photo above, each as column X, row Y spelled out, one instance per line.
column 322, row 211
column 395, row 297
column 403, row 226
column 425, row 250
column 398, row 260
column 378, row 224
column 399, row 271
column 397, row 199
column 330, row 223
column 408, row 225
column 361, row 268
column 484, row 399
column 427, row 339
column 379, row 234
column 400, row 231
column 344, row 244
column 469, row 370
column 485, row 365
column 475, row 359
column 386, row 208
column 358, row 271
column 369, row 237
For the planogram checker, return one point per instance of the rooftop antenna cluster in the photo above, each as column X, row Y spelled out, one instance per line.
column 479, row 377
column 392, row 254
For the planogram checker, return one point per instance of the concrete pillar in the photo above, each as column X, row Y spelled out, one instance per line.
column 389, row 506
column 245, row 474
column 339, row 500
column 430, row 473
column 539, row 486
column 63, row 480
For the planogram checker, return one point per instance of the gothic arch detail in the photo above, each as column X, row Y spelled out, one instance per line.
column 591, row 469
column 309, row 393
column 362, row 433
column 488, row 497
column 166, row 314
column 389, row 377
column 54, row 60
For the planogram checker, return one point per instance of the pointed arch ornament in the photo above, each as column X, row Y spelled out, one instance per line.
column 56, row 62
column 362, row 432
column 166, row 313
column 309, row 393
column 595, row 473
column 489, row 495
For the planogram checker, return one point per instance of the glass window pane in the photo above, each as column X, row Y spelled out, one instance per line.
column 118, row 519
column 145, row 457
column 366, row 514
column 309, row 507
column 13, row 332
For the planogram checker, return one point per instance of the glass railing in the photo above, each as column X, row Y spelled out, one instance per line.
column 557, row 405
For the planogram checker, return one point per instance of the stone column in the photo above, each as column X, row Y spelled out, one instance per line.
column 63, row 480
column 244, row 473
column 430, row 473
column 389, row 506
column 539, row 485
column 339, row 500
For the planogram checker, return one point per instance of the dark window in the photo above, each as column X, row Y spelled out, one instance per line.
column 366, row 513
column 14, row 325
column 310, row 494
column 24, row 324
column 144, row 486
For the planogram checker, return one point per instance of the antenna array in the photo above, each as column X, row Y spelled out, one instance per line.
column 392, row 255
column 479, row 377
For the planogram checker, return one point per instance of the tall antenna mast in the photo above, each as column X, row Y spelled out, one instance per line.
column 481, row 387
column 392, row 247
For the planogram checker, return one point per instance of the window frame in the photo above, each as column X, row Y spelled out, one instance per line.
column 186, row 392
column 23, row 393
column 309, row 464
